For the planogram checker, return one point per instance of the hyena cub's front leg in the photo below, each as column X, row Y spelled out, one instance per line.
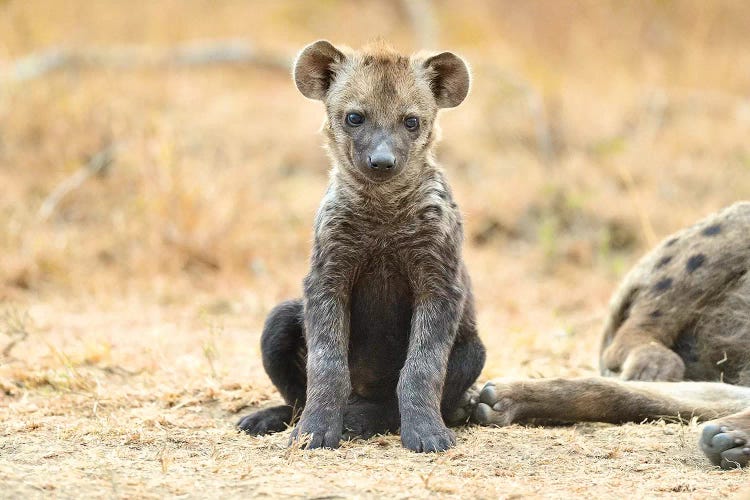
column 328, row 382
column 420, row 385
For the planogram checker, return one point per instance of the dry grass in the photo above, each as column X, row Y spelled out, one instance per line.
column 130, row 316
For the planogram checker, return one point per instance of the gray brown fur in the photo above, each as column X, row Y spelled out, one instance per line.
column 386, row 324
column 677, row 335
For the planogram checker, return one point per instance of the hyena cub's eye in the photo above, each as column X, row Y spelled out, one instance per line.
column 354, row 119
column 412, row 123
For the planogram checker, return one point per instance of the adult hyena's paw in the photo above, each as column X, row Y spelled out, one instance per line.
column 464, row 409
column 426, row 437
column 724, row 445
column 316, row 432
column 653, row 362
column 266, row 421
column 498, row 404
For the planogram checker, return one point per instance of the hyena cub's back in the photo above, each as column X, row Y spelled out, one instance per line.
column 691, row 294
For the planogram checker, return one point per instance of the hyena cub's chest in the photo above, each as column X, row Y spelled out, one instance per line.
column 381, row 310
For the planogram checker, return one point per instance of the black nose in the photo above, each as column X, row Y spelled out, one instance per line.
column 382, row 160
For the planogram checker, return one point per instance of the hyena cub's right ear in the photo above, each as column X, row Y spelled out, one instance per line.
column 314, row 68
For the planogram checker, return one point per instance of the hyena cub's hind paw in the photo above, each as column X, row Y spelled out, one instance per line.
column 465, row 408
column 267, row 420
column 725, row 446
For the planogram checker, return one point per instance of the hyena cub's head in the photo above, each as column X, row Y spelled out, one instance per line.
column 381, row 106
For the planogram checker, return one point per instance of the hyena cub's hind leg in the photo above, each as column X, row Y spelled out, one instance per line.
column 464, row 409
column 465, row 363
column 284, row 353
column 364, row 419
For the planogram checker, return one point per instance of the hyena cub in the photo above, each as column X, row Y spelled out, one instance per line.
column 384, row 337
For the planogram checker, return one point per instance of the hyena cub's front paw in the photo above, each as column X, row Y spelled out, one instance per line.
column 316, row 432
column 427, row 437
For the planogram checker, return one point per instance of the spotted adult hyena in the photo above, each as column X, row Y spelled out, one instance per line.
column 678, row 337
column 384, row 337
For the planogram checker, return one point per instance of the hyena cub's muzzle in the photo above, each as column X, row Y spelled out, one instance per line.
column 382, row 158
column 378, row 152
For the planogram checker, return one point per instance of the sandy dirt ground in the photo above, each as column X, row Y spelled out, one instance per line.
column 131, row 305
column 150, row 414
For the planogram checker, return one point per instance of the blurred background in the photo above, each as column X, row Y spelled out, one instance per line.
column 156, row 154
column 159, row 174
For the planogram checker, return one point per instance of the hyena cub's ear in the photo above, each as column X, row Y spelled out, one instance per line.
column 314, row 68
column 449, row 79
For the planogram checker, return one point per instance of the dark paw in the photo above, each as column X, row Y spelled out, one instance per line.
column 497, row 404
column 427, row 438
column 365, row 420
column 725, row 447
column 315, row 432
column 463, row 411
column 653, row 362
column 266, row 421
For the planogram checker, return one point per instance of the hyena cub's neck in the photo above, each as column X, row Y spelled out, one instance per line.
column 401, row 192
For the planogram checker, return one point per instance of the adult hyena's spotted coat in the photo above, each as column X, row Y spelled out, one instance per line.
column 677, row 336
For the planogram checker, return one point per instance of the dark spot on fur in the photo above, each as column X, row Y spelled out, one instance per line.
column 432, row 212
column 695, row 262
column 438, row 192
column 663, row 285
column 656, row 314
column 672, row 241
column 663, row 261
column 712, row 230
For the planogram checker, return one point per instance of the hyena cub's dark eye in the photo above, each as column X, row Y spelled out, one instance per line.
column 412, row 123
column 354, row 119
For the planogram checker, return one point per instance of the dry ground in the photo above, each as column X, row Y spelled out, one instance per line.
column 131, row 313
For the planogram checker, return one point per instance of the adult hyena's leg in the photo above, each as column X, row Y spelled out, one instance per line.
column 504, row 402
column 637, row 355
column 726, row 441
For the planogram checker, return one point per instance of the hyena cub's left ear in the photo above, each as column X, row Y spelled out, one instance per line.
column 449, row 79
column 314, row 69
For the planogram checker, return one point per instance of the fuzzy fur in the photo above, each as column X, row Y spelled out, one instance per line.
column 386, row 323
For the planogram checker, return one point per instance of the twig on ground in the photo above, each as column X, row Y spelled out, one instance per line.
column 98, row 163
column 14, row 324
column 239, row 52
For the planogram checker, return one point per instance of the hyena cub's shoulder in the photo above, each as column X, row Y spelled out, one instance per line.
column 689, row 269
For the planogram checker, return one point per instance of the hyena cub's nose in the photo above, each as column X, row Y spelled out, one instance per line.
column 382, row 160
